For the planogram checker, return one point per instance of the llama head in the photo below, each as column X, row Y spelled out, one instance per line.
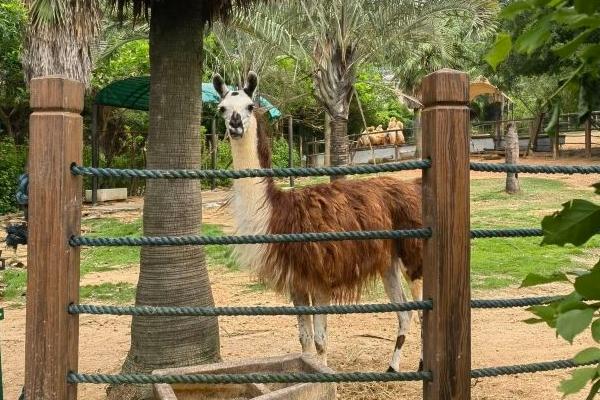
column 236, row 106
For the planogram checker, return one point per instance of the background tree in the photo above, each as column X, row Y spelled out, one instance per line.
column 13, row 93
column 336, row 37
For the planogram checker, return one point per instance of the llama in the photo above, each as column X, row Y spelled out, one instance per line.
column 320, row 272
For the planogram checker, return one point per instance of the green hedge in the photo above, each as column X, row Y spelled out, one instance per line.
column 12, row 164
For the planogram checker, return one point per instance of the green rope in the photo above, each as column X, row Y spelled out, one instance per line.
column 248, row 173
column 527, row 368
column 300, row 310
column 302, row 377
column 421, row 233
column 247, row 239
column 536, row 169
column 510, row 232
column 290, row 377
column 232, row 311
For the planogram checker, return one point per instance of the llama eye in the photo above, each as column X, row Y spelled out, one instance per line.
column 221, row 109
column 251, row 107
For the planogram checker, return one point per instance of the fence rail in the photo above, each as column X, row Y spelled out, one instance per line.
column 54, row 197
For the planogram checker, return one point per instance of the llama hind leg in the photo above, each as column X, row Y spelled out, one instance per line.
column 305, row 327
column 416, row 287
column 320, row 322
column 393, row 287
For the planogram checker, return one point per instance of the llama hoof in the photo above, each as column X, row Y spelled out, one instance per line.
column 390, row 369
column 420, row 366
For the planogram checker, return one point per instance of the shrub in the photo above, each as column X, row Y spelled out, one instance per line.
column 12, row 164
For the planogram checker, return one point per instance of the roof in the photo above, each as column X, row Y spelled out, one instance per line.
column 133, row 93
column 482, row 86
column 409, row 101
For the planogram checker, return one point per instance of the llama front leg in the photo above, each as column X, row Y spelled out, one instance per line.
column 394, row 290
column 320, row 320
column 305, row 328
column 416, row 287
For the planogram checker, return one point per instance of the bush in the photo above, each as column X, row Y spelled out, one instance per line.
column 12, row 164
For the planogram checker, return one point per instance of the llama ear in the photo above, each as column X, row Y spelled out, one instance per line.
column 220, row 86
column 252, row 84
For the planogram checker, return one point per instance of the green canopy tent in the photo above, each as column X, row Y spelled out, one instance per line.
column 133, row 93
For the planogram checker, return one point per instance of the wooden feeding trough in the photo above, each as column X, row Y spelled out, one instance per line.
column 276, row 391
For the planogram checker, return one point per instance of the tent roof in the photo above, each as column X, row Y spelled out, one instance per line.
column 481, row 86
column 133, row 93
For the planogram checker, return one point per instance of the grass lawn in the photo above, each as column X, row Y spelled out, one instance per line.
column 495, row 263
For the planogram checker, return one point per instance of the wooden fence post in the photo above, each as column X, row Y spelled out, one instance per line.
column 55, row 141
column 588, row 137
column 447, row 328
column 291, row 146
column 214, row 149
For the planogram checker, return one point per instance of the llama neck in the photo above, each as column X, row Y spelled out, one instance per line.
column 251, row 205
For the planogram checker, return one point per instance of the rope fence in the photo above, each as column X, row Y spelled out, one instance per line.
column 321, row 171
column 301, row 377
column 297, row 310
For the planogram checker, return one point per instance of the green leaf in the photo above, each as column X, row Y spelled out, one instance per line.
column 588, row 355
column 579, row 378
column 575, row 223
column 569, row 305
column 589, row 285
column 572, row 323
column 500, row 50
column 596, row 187
column 587, row 6
column 534, row 37
column 571, row 47
column 546, row 313
column 516, row 7
column 596, row 330
column 593, row 391
column 534, row 279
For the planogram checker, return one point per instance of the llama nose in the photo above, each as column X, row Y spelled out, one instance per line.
column 236, row 120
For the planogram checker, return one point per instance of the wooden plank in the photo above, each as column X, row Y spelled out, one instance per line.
column 447, row 328
column 52, row 335
column 588, row 137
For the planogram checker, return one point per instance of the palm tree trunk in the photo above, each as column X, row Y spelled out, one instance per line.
column 339, row 143
column 173, row 276
column 327, row 137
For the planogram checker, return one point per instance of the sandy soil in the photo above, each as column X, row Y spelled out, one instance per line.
column 357, row 342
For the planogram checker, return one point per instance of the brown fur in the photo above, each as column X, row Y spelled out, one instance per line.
column 341, row 268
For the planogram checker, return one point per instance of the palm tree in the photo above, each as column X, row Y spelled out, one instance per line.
column 337, row 36
column 172, row 276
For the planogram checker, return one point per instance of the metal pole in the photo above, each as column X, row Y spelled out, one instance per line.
column 214, row 148
column 291, row 147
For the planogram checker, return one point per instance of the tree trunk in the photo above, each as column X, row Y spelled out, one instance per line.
column 327, row 134
column 512, row 157
column 172, row 276
column 339, row 143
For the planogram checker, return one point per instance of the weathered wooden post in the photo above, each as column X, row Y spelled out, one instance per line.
column 214, row 151
column 512, row 157
column 447, row 328
column 291, row 146
column 55, row 141
column 588, row 137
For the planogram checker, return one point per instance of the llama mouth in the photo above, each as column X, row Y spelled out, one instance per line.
column 236, row 133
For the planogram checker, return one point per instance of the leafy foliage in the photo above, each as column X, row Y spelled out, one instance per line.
column 564, row 30
column 576, row 223
column 12, row 164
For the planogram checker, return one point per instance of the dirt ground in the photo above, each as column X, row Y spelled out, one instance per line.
column 356, row 342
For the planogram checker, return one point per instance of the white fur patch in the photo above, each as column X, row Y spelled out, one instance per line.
column 251, row 207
